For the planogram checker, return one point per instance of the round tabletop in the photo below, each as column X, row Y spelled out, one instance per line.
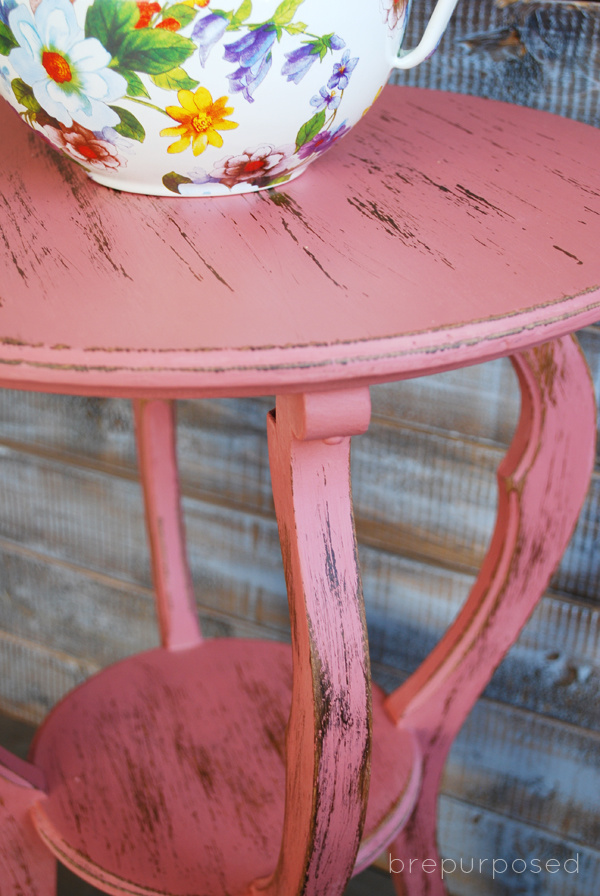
column 442, row 231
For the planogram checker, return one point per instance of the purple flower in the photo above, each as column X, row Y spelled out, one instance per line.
column 299, row 61
column 323, row 141
column 252, row 53
column 246, row 80
column 325, row 99
column 208, row 32
column 252, row 47
column 335, row 43
column 342, row 71
column 5, row 7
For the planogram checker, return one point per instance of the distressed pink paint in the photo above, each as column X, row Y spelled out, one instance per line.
column 438, row 233
column 542, row 484
column 444, row 230
column 328, row 759
column 157, row 460
column 26, row 866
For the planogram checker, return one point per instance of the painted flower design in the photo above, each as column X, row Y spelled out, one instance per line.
column 207, row 33
column 258, row 166
column 146, row 11
column 298, row 62
column 326, row 99
column 5, row 76
column 252, row 54
column 5, row 7
column 81, row 78
column 84, row 146
column 200, row 120
column 342, row 71
column 323, row 141
column 394, row 12
column 68, row 73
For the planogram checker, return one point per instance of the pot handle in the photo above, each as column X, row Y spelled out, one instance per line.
column 436, row 26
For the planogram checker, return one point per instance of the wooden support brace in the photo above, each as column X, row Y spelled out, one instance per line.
column 329, row 732
column 157, row 459
column 542, row 484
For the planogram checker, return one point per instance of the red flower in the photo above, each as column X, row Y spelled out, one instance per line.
column 84, row 146
column 258, row 166
column 146, row 10
column 169, row 24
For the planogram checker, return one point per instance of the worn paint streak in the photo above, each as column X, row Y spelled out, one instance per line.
column 321, row 268
column 568, row 254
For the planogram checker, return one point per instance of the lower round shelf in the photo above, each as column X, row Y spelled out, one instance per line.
column 165, row 772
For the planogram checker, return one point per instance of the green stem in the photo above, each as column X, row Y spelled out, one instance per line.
column 334, row 113
column 135, row 99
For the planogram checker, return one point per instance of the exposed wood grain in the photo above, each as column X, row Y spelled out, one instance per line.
column 471, row 832
column 93, row 519
column 464, row 402
column 237, row 573
column 553, row 787
column 542, row 54
column 24, row 664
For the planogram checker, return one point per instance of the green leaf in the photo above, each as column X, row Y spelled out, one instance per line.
column 172, row 180
column 286, row 11
column 154, row 50
column 296, row 28
column 129, row 126
column 176, row 79
column 24, row 95
column 135, row 87
column 7, row 40
column 244, row 11
column 110, row 21
column 310, row 129
column 180, row 11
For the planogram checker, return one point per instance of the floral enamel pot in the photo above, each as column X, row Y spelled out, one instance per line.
column 201, row 97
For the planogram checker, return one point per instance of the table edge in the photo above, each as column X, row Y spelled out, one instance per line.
column 278, row 369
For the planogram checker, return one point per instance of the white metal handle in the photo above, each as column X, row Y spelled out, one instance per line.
column 436, row 26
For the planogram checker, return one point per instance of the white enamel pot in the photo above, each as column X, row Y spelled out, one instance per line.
column 201, row 97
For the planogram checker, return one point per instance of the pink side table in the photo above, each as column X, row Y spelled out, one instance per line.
column 444, row 231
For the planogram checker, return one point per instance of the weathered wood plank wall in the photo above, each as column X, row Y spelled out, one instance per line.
column 524, row 777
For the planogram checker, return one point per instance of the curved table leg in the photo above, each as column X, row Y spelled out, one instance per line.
column 26, row 865
column 157, row 459
column 542, row 485
column 329, row 730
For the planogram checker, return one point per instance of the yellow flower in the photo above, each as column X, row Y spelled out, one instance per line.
column 199, row 120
